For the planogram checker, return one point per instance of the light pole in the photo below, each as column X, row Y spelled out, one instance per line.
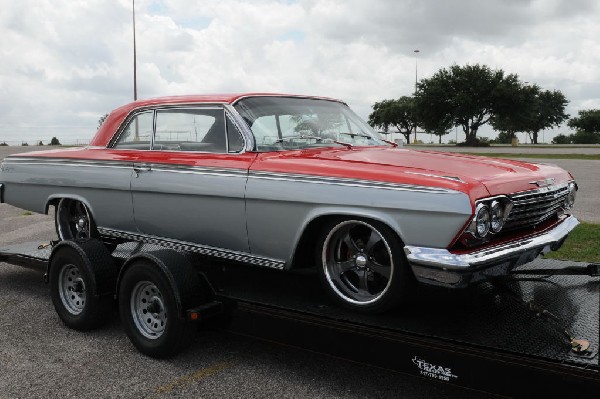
column 134, row 58
column 417, row 51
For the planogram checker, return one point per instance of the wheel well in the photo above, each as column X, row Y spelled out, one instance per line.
column 304, row 255
column 52, row 202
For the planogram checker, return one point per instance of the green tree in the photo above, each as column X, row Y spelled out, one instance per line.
column 467, row 96
column 547, row 110
column 519, row 117
column 561, row 139
column 503, row 138
column 400, row 113
column 588, row 120
column 584, row 137
column 54, row 141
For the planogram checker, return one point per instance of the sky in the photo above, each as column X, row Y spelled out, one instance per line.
column 65, row 63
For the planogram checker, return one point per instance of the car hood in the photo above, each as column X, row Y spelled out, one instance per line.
column 479, row 176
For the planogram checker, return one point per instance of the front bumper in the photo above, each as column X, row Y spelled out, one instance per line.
column 441, row 267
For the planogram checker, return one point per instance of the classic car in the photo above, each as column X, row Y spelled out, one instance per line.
column 286, row 181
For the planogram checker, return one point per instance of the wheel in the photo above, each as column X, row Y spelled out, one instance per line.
column 73, row 220
column 73, row 286
column 149, row 311
column 363, row 266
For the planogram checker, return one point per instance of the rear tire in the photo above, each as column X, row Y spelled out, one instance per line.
column 362, row 265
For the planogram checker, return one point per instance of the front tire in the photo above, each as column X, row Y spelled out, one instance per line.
column 363, row 265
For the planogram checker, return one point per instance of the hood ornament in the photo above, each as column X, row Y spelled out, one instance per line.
column 544, row 183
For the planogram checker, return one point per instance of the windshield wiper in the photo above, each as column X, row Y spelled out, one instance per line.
column 357, row 134
column 348, row 145
column 301, row 137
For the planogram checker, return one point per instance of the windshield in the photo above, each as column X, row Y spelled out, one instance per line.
column 281, row 123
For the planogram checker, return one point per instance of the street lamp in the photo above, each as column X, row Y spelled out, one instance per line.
column 417, row 51
column 134, row 56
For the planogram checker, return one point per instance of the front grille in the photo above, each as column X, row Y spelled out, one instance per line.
column 533, row 207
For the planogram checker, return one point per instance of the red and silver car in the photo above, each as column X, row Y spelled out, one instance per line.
column 285, row 182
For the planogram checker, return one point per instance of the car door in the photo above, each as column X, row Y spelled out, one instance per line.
column 190, row 186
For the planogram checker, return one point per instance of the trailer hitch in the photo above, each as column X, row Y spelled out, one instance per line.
column 578, row 346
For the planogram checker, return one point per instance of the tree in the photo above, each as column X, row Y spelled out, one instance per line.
column 400, row 113
column 519, row 117
column 101, row 120
column 466, row 96
column 561, row 139
column 584, row 137
column 54, row 141
column 547, row 110
column 588, row 120
column 504, row 137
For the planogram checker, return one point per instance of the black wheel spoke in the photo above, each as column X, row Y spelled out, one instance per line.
column 380, row 269
column 345, row 266
column 351, row 244
column 374, row 238
column 363, row 282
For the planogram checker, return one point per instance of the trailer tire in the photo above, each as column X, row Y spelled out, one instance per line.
column 82, row 278
column 152, row 300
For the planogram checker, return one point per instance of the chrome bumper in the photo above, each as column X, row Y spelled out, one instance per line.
column 440, row 267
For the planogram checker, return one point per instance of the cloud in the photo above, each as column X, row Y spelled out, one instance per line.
column 67, row 63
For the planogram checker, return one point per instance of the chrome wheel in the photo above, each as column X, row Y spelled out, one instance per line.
column 357, row 262
column 71, row 289
column 148, row 310
column 73, row 220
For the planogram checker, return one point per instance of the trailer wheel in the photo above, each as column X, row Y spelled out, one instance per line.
column 78, row 283
column 152, row 308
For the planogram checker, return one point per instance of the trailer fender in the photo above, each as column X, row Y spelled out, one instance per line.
column 187, row 285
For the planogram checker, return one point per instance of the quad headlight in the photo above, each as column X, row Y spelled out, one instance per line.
column 570, row 199
column 490, row 215
column 496, row 216
column 482, row 220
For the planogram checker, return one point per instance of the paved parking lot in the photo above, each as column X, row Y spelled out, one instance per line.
column 40, row 357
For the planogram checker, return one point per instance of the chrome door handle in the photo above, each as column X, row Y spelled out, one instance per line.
column 141, row 168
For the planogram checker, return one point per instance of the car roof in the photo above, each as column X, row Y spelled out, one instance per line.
column 114, row 119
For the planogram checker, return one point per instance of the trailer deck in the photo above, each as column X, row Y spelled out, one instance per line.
column 511, row 337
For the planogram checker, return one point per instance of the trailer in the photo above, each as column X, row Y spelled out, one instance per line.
column 534, row 333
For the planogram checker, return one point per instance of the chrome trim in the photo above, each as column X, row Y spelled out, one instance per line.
column 348, row 182
column 200, row 170
column 441, row 258
column 221, row 253
column 452, row 178
column 286, row 96
column 228, row 112
column 69, row 162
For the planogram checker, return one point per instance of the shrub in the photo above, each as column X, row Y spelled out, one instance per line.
column 54, row 141
column 561, row 139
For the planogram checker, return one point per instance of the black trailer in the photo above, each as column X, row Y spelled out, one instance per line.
column 533, row 334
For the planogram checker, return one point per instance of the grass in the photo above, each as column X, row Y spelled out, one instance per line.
column 26, row 213
column 583, row 245
column 589, row 157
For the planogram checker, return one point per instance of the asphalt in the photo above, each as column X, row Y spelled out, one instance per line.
column 40, row 357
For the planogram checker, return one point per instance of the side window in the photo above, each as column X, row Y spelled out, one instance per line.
column 234, row 138
column 190, row 130
column 138, row 133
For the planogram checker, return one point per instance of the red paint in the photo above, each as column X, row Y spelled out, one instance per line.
column 480, row 176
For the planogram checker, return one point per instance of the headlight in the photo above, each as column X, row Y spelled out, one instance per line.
column 570, row 200
column 482, row 220
column 497, row 216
